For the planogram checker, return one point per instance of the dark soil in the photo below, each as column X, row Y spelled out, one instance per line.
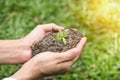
column 48, row 44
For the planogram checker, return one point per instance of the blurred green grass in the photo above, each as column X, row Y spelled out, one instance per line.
column 100, row 59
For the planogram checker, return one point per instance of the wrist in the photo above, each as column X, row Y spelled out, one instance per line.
column 27, row 72
column 21, row 77
column 26, row 51
column 14, row 51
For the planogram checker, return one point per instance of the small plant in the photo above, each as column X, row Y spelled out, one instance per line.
column 61, row 36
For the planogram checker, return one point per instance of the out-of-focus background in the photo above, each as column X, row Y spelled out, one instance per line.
column 99, row 20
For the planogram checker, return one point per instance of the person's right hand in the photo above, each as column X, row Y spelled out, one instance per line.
column 50, row 63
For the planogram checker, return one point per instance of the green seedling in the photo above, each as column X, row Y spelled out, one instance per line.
column 61, row 36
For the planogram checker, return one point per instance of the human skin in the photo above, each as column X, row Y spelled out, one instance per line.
column 43, row 64
column 19, row 51
column 50, row 63
column 14, row 52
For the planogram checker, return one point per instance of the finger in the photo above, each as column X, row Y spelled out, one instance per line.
column 80, row 47
column 51, row 27
column 74, row 53
column 68, row 55
column 64, row 67
column 81, row 44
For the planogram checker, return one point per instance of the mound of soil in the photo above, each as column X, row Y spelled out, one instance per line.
column 48, row 44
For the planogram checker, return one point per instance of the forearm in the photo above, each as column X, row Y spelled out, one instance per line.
column 13, row 51
column 27, row 72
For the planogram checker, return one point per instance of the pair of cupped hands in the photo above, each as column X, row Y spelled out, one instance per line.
column 46, row 63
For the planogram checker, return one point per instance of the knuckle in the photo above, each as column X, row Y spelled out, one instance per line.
column 53, row 24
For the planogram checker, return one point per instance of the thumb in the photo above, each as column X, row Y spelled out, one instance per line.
column 69, row 55
column 74, row 53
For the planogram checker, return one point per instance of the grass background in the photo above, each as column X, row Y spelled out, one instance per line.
column 94, row 18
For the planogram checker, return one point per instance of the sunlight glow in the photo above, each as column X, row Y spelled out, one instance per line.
column 99, row 13
column 108, row 13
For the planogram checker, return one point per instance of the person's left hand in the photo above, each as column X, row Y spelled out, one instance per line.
column 36, row 35
column 40, row 32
